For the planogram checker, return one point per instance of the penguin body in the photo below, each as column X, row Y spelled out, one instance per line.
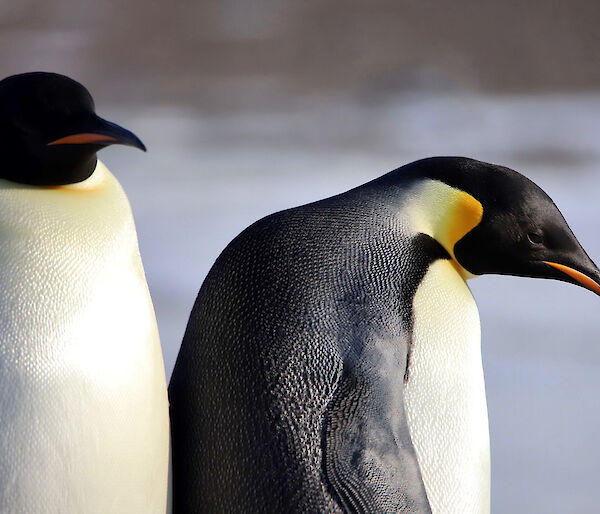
column 266, row 416
column 83, row 407
column 332, row 359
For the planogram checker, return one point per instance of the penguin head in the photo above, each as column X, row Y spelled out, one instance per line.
column 49, row 131
column 518, row 230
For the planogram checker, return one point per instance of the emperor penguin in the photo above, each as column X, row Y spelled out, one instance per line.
column 83, row 402
column 332, row 359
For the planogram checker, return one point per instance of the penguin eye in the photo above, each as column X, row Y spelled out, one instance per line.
column 534, row 238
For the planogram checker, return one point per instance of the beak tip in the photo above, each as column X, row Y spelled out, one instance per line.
column 134, row 142
column 122, row 135
column 582, row 279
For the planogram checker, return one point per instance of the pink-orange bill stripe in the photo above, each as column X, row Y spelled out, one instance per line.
column 81, row 139
column 584, row 280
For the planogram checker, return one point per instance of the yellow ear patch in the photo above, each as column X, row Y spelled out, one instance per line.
column 445, row 213
column 464, row 214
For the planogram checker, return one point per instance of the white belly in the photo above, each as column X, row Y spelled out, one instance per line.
column 445, row 395
column 83, row 407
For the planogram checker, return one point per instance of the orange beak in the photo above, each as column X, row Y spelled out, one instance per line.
column 584, row 280
column 82, row 139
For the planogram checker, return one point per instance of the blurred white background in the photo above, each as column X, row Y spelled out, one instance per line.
column 252, row 107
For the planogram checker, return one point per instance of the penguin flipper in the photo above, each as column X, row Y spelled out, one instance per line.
column 369, row 460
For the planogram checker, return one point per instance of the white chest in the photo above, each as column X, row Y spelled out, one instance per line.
column 83, row 407
column 445, row 395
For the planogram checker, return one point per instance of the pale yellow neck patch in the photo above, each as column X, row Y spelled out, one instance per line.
column 445, row 213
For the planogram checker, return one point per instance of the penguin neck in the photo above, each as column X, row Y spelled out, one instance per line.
column 445, row 213
column 96, row 180
column 54, row 166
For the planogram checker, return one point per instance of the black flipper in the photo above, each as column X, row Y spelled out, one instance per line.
column 369, row 460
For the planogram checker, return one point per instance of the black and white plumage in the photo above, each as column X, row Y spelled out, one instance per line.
column 332, row 359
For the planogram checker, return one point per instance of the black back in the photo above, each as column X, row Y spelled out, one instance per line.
column 279, row 401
